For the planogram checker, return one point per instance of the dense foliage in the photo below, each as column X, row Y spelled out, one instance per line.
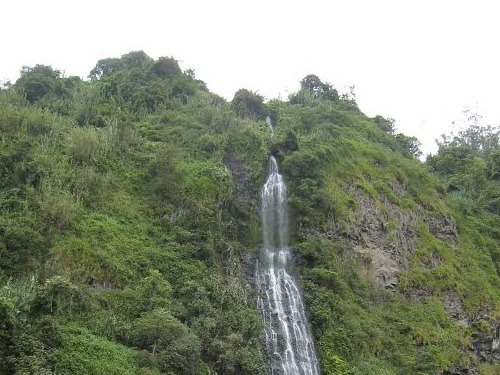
column 129, row 226
column 470, row 164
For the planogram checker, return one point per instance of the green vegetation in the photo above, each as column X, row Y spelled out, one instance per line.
column 129, row 226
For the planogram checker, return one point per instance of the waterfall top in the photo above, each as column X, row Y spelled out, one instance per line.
column 274, row 209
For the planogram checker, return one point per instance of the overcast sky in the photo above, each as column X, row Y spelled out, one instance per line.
column 420, row 62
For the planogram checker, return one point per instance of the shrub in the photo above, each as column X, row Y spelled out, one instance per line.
column 169, row 342
column 22, row 249
column 85, row 146
column 58, row 295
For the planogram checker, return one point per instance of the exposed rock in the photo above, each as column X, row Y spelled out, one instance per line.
column 245, row 189
column 384, row 236
column 419, row 294
column 246, row 197
column 461, row 370
column 379, row 266
column 487, row 346
column 435, row 260
column 398, row 189
column 455, row 309
column 442, row 227
column 387, row 234
column 249, row 263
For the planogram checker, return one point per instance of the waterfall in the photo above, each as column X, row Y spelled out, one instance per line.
column 495, row 344
column 288, row 341
column 270, row 124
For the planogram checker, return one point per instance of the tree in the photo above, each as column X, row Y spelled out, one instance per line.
column 37, row 81
column 171, row 344
column 146, row 84
column 319, row 89
column 313, row 89
column 315, row 86
column 136, row 59
column 248, row 104
column 470, row 161
column 166, row 177
column 456, row 151
column 385, row 124
column 109, row 66
column 410, row 145
column 481, row 139
column 106, row 67
column 493, row 165
column 450, row 159
column 166, row 67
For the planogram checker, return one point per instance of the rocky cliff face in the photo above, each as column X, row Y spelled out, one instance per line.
column 245, row 189
column 247, row 208
column 384, row 237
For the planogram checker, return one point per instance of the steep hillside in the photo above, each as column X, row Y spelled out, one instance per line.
column 397, row 278
column 129, row 231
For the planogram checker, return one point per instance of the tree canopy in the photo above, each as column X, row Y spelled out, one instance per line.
column 248, row 104
column 312, row 88
column 470, row 163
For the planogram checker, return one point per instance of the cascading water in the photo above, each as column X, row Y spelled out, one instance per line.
column 288, row 341
column 495, row 344
column 270, row 124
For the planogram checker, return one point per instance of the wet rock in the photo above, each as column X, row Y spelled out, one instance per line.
column 245, row 189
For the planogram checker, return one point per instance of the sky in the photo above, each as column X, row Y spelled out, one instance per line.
column 420, row 62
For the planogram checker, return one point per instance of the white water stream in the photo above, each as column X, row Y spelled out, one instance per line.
column 288, row 340
column 270, row 124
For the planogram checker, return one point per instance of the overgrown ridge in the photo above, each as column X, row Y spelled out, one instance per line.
column 129, row 228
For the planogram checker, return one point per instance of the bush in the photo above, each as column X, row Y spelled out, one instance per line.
column 248, row 104
column 171, row 345
column 22, row 249
column 58, row 211
column 86, row 354
column 59, row 296
column 85, row 146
